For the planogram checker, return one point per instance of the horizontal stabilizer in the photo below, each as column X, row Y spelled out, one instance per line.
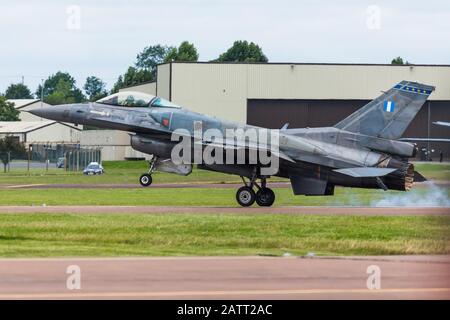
column 418, row 177
column 365, row 172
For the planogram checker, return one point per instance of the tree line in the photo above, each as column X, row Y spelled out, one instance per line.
column 61, row 87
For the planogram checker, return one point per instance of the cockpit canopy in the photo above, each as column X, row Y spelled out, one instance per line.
column 136, row 100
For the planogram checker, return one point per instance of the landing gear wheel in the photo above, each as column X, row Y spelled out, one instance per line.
column 145, row 180
column 245, row 196
column 265, row 197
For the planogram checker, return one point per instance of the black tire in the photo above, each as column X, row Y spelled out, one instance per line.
column 245, row 196
column 265, row 197
column 145, row 180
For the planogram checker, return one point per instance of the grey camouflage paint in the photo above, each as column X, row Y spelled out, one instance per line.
column 366, row 140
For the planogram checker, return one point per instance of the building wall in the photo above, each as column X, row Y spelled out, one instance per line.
column 149, row 88
column 104, row 138
column 163, row 82
column 115, row 144
column 340, row 81
column 214, row 89
column 54, row 133
column 223, row 89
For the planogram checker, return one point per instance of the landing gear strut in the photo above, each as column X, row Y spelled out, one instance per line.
column 246, row 196
column 146, row 179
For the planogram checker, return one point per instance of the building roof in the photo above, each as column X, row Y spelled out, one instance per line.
column 22, row 126
column 27, row 126
column 20, row 103
column 309, row 63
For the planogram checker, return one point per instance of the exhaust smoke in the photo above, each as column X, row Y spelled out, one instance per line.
column 427, row 194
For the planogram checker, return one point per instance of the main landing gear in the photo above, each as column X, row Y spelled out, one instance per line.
column 246, row 196
column 146, row 179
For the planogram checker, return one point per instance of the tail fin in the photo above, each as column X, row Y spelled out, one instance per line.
column 389, row 115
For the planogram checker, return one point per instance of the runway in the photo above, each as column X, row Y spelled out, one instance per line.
column 401, row 277
column 444, row 184
column 292, row 210
column 134, row 185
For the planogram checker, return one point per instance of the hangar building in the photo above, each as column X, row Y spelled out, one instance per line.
column 114, row 145
column 301, row 94
column 40, row 131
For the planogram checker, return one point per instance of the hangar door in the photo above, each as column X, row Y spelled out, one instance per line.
column 299, row 113
column 274, row 113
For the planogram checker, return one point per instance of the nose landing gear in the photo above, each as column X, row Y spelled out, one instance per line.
column 246, row 196
column 146, row 179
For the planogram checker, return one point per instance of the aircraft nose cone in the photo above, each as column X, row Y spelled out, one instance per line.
column 57, row 113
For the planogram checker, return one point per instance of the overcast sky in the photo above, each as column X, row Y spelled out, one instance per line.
column 39, row 38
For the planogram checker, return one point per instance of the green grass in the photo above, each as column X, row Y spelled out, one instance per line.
column 434, row 171
column 121, row 172
column 57, row 235
column 199, row 197
column 117, row 172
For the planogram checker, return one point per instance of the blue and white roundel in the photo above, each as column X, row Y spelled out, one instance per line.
column 389, row 106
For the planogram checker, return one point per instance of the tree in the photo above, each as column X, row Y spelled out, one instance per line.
column 242, row 51
column 132, row 77
column 399, row 61
column 151, row 56
column 144, row 69
column 57, row 82
column 7, row 111
column 118, row 85
column 63, row 94
column 10, row 147
column 186, row 52
column 18, row 91
column 95, row 88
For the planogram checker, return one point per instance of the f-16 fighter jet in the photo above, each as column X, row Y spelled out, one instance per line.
column 362, row 151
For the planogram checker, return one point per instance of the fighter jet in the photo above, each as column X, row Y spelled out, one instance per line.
column 362, row 151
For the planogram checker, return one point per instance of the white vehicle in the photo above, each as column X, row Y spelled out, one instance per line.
column 93, row 168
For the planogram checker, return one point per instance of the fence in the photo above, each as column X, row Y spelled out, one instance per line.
column 70, row 157
column 77, row 160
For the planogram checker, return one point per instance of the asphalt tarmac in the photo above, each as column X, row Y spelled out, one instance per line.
column 400, row 277
column 443, row 184
column 294, row 210
column 133, row 185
